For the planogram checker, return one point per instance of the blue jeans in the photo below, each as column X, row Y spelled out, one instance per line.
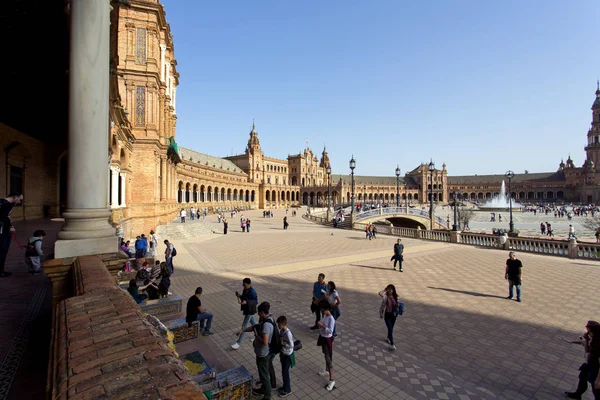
column 170, row 264
column 390, row 321
column 247, row 319
column 286, row 363
column 205, row 316
column 510, row 289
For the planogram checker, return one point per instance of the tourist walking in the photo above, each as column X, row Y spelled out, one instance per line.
column 591, row 354
column 334, row 300
column 6, row 227
column 286, row 356
column 571, row 232
column 597, row 234
column 248, row 300
column 182, row 214
column 398, row 256
column 165, row 280
column 513, row 275
column 170, row 252
column 390, row 299
column 320, row 290
column 248, row 225
column 195, row 312
column 263, row 333
column 153, row 243
column 285, row 223
column 326, row 329
column 225, row 225
column 549, row 229
column 33, row 252
column 543, row 228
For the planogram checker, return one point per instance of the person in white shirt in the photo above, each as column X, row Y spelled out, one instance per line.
column 183, row 213
column 334, row 300
column 326, row 328
column 287, row 357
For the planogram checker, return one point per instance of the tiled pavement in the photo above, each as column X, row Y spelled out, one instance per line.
column 459, row 338
column 25, row 318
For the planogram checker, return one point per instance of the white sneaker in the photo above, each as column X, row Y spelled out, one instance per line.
column 235, row 346
column 330, row 385
column 323, row 373
column 393, row 347
column 252, row 340
column 388, row 340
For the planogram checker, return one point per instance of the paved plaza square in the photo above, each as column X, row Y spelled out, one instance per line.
column 459, row 338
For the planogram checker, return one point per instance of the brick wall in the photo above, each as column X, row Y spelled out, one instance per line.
column 40, row 172
column 103, row 346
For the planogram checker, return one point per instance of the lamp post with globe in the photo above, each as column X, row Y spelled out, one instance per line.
column 397, row 187
column 431, row 169
column 510, row 175
column 352, row 166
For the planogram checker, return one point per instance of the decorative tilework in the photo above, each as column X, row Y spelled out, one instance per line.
column 140, row 46
column 181, row 331
column 140, row 105
column 163, row 309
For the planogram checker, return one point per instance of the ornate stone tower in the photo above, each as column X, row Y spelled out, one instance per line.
column 324, row 159
column 593, row 147
column 255, row 157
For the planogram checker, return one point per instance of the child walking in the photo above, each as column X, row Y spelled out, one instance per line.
column 33, row 252
column 286, row 356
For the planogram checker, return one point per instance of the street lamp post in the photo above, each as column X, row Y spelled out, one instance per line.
column 510, row 175
column 397, row 186
column 455, row 226
column 406, row 191
column 431, row 169
column 352, row 166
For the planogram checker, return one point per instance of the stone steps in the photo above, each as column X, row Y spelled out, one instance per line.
column 190, row 230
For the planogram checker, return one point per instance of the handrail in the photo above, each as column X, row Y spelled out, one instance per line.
column 555, row 247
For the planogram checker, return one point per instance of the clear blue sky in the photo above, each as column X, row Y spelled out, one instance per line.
column 483, row 86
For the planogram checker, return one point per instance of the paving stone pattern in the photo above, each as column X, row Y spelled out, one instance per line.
column 459, row 338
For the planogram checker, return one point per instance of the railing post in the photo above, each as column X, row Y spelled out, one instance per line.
column 573, row 248
column 454, row 237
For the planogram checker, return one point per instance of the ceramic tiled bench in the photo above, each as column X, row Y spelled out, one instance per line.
column 181, row 331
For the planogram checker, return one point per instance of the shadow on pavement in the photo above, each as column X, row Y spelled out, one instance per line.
column 467, row 293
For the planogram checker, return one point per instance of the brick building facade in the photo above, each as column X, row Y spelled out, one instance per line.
column 151, row 178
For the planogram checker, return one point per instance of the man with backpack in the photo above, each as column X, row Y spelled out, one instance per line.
column 170, row 252
column 267, row 344
column 33, row 252
column 6, row 227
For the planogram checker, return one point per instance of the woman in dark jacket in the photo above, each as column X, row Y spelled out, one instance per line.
column 165, row 280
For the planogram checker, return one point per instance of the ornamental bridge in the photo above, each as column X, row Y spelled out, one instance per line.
column 398, row 216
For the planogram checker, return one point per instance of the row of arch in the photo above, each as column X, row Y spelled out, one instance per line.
column 548, row 195
column 283, row 196
column 189, row 193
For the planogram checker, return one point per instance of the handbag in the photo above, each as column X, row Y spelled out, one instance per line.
column 297, row 345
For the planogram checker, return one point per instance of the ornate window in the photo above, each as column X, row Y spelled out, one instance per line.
column 140, row 46
column 140, row 105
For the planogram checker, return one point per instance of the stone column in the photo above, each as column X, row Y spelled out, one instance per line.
column 86, row 230
column 163, row 178
column 114, row 194
column 163, row 49
column 123, row 189
column 204, row 196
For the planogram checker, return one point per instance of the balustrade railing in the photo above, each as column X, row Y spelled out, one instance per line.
column 404, row 232
column 591, row 251
column 440, row 236
column 397, row 210
column 555, row 247
column 479, row 239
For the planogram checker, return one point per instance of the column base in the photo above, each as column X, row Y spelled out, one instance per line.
column 86, row 232
column 85, row 247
